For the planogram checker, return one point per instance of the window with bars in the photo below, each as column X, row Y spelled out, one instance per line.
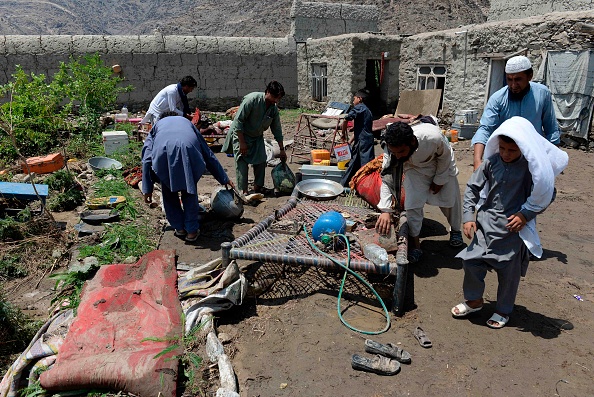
column 432, row 77
column 319, row 81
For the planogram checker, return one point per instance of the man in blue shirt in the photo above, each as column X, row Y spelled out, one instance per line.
column 176, row 155
column 520, row 97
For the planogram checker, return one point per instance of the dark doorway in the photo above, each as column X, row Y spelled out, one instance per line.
column 376, row 76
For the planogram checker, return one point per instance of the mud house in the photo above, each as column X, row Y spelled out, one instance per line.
column 334, row 49
column 468, row 63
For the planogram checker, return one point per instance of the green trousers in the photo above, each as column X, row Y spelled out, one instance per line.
column 241, row 168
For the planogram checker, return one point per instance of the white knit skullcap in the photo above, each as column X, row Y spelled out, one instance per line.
column 517, row 64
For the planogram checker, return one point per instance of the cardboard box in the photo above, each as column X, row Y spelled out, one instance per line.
column 330, row 172
column 44, row 164
column 114, row 140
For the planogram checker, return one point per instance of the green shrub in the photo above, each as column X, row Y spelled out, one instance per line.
column 38, row 115
column 67, row 194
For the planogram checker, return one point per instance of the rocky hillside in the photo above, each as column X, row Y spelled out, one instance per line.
column 216, row 17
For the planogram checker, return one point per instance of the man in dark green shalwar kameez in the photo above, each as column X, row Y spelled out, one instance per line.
column 245, row 138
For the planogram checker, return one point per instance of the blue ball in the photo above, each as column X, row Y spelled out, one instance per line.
column 329, row 223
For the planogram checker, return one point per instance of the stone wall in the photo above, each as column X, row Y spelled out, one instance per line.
column 346, row 57
column 317, row 20
column 503, row 10
column 226, row 68
column 466, row 87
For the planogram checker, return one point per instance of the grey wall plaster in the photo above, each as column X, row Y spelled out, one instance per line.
column 226, row 68
column 317, row 20
column 503, row 10
column 555, row 31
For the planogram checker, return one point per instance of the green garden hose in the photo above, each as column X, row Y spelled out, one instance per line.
column 347, row 270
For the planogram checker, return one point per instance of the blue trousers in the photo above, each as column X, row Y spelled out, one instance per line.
column 508, row 275
column 179, row 218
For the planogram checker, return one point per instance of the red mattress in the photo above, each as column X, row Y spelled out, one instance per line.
column 122, row 305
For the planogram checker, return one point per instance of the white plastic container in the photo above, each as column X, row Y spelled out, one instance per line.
column 114, row 140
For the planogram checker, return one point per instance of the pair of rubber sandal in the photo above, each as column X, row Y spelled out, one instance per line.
column 183, row 234
column 464, row 310
column 386, row 362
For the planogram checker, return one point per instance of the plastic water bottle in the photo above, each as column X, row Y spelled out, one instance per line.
column 125, row 111
column 376, row 254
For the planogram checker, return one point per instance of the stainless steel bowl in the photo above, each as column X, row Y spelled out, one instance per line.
column 320, row 189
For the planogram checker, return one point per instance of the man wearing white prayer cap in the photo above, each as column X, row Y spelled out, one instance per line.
column 520, row 97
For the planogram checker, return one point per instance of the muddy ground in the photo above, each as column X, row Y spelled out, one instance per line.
column 289, row 340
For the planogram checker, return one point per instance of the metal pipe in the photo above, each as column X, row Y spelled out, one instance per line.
column 267, row 257
column 465, row 33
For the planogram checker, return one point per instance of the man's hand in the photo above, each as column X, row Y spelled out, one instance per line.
column 283, row 155
column 516, row 222
column 230, row 183
column 469, row 229
column 435, row 188
column 382, row 226
column 479, row 149
column 243, row 147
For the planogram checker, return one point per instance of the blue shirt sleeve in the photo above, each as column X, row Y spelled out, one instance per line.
column 549, row 120
column 212, row 163
column 147, row 164
column 490, row 120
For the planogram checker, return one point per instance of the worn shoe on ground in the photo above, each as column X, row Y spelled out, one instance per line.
column 389, row 350
column 379, row 364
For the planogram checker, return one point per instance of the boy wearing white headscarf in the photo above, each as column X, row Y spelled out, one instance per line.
column 514, row 184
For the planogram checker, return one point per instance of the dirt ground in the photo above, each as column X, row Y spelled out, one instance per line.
column 289, row 340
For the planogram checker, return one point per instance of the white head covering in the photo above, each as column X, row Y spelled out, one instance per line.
column 545, row 162
column 517, row 64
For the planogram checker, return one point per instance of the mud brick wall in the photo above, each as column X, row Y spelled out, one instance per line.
column 466, row 88
column 226, row 68
column 503, row 10
column 316, row 20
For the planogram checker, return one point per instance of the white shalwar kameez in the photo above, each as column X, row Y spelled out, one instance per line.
column 432, row 162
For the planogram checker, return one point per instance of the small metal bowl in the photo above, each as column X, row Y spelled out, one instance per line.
column 319, row 189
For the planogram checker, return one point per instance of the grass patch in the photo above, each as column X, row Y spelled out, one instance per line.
column 292, row 115
column 16, row 330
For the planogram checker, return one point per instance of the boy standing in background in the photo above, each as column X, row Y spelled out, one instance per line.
column 362, row 141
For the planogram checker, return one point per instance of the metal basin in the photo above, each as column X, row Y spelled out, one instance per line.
column 103, row 163
column 320, row 189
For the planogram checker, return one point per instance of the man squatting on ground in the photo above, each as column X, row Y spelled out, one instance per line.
column 173, row 98
column 520, row 97
column 176, row 155
column 515, row 183
column 362, row 140
column 426, row 158
column 245, row 138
